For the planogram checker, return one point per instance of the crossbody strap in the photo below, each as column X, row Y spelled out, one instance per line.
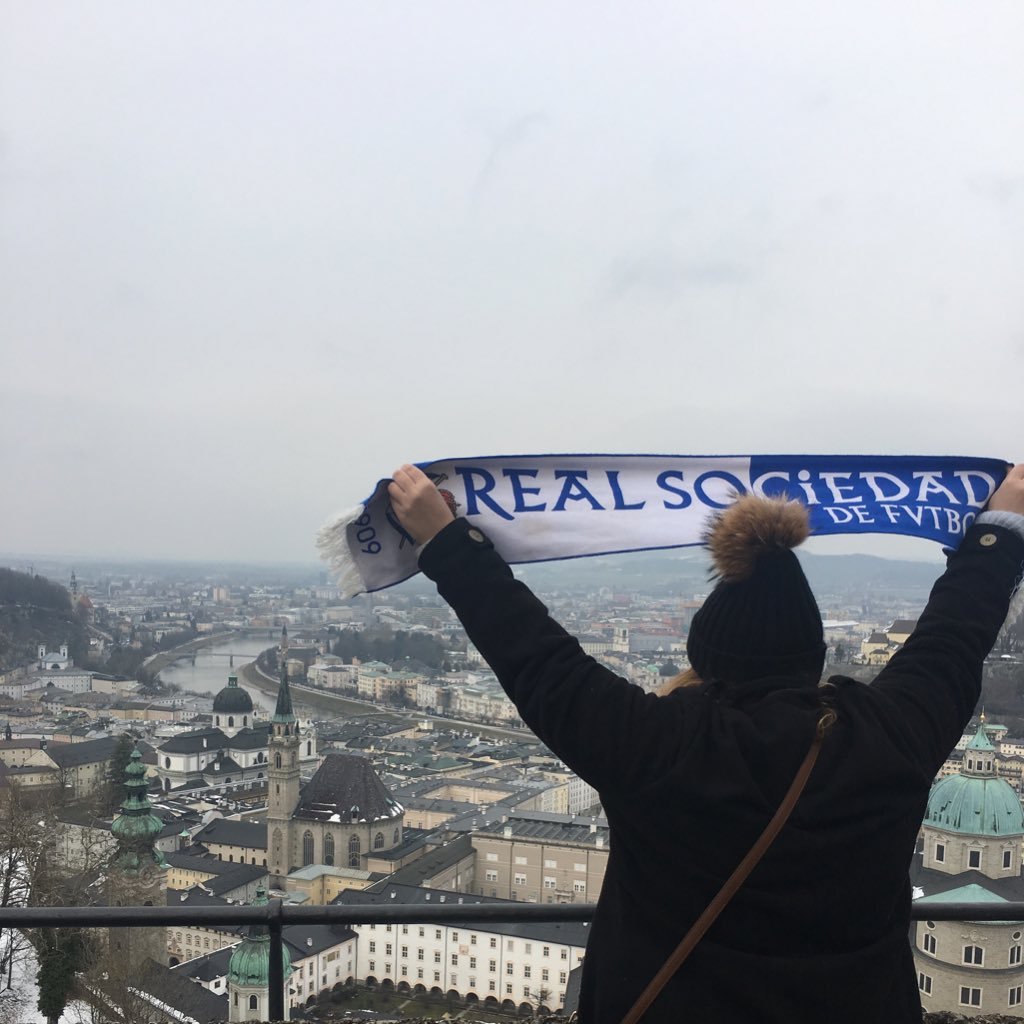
column 732, row 885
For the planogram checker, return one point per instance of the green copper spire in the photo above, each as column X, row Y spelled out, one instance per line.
column 250, row 963
column 284, row 712
column 137, row 827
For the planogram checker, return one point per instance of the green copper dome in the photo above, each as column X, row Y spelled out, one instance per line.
column 137, row 827
column 250, row 963
column 976, row 806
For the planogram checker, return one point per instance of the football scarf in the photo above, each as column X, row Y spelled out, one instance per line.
column 538, row 508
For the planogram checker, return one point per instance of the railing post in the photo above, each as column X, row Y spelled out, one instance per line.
column 275, row 975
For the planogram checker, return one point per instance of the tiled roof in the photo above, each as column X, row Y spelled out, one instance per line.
column 567, row 933
column 427, row 867
column 71, row 755
column 250, row 834
column 215, row 739
column 346, row 788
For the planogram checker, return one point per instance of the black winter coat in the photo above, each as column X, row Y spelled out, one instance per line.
column 819, row 931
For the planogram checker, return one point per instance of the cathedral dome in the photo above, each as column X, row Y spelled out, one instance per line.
column 232, row 700
column 250, row 962
column 976, row 806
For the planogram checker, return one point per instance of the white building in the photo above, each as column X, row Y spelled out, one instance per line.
column 500, row 966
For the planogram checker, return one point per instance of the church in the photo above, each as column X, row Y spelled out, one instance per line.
column 233, row 749
column 971, row 848
column 343, row 813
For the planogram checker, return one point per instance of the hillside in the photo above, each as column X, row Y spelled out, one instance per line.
column 35, row 611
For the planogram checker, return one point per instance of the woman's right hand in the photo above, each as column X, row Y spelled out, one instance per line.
column 420, row 508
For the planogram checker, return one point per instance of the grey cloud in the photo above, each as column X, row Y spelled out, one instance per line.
column 998, row 188
column 663, row 273
column 514, row 134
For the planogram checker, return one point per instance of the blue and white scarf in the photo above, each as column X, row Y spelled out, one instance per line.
column 539, row 508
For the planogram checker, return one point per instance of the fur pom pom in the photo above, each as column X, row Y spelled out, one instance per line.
column 750, row 528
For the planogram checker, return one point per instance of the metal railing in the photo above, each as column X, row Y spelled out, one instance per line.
column 275, row 915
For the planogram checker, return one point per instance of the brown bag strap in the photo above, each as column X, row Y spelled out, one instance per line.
column 731, row 887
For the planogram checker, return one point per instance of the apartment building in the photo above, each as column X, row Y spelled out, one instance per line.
column 541, row 858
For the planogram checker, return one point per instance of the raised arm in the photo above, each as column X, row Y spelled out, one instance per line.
column 934, row 681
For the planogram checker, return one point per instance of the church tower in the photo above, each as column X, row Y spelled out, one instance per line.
column 249, row 972
column 282, row 776
column 138, row 871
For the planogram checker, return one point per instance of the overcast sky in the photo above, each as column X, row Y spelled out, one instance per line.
column 254, row 255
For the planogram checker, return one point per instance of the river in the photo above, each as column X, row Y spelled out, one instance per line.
column 210, row 672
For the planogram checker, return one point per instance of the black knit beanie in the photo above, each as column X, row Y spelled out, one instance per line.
column 761, row 619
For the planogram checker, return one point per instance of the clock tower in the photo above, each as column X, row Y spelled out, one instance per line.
column 282, row 778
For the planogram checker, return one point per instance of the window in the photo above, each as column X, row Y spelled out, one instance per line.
column 373, row 947
column 549, row 883
column 494, row 943
column 1015, row 955
column 529, row 947
column 974, row 955
column 353, row 852
column 1007, row 859
column 455, row 959
column 387, row 949
column 545, row 951
column 550, row 863
column 526, row 971
column 472, row 940
column 437, row 956
column 472, row 962
column 1013, row 997
column 508, row 990
column 254, row 1002
column 373, row 966
column 579, row 886
column 419, row 953
column 519, row 879
column 970, row 996
column 492, row 986
column 455, row 936
column 940, row 852
column 508, row 967
column 307, row 848
column 564, row 953
column 562, row 977
column 974, row 859
column 544, row 975
column 520, row 860
column 929, row 944
column 492, row 965
column 492, row 856
column 328, row 849
column 378, row 841
column 579, row 867
column 405, row 952
column 924, row 983
column 437, row 933
column 437, row 975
